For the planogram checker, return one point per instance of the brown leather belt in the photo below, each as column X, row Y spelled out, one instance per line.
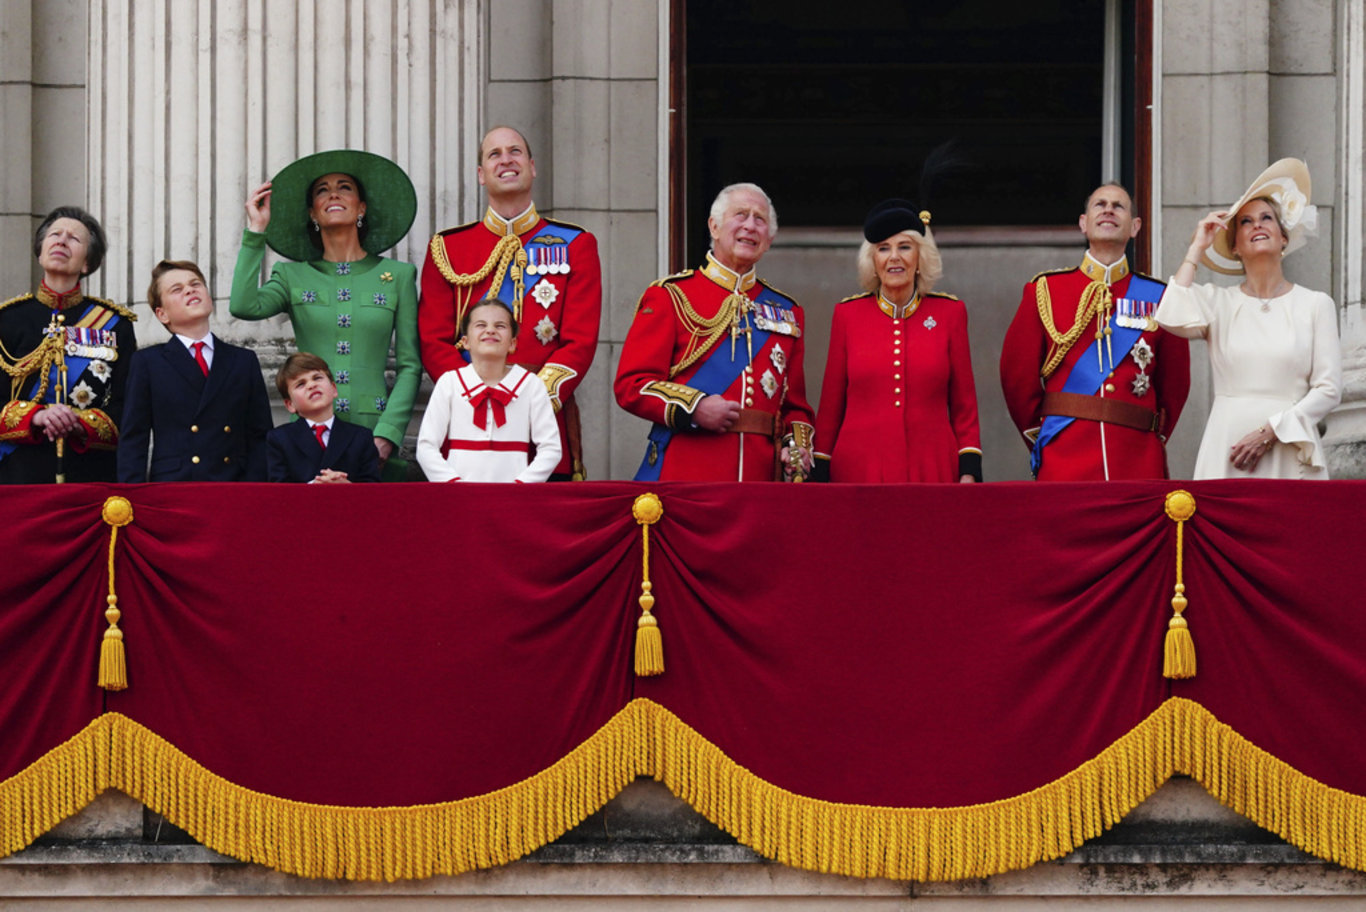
column 754, row 421
column 1096, row 408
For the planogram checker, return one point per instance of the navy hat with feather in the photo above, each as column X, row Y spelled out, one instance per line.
column 891, row 217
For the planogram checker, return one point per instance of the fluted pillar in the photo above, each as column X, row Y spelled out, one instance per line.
column 194, row 102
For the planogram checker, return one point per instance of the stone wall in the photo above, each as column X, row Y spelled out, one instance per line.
column 582, row 79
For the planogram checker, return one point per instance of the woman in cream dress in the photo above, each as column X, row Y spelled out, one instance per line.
column 1273, row 345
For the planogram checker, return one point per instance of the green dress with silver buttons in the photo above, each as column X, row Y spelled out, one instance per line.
column 347, row 314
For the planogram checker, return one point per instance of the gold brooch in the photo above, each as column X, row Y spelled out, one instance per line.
column 386, row 277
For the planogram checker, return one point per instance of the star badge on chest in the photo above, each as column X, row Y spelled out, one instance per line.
column 546, row 331
column 545, row 293
column 1142, row 354
column 778, row 358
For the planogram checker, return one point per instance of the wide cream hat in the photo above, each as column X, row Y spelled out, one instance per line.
column 1286, row 182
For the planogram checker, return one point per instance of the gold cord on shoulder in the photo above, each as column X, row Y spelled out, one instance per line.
column 507, row 255
column 40, row 361
column 1094, row 299
column 705, row 331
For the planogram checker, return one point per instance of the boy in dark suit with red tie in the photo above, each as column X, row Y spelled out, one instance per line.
column 319, row 448
column 195, row 403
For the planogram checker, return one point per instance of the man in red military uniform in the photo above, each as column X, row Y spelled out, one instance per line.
column 547, row 271
column 1090, row 380
column 714, row 359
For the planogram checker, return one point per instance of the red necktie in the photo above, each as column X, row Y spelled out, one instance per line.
column 318, row 431
column 499, row 397
column 199, row 357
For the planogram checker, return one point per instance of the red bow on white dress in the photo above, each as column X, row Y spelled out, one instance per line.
column 480, row 400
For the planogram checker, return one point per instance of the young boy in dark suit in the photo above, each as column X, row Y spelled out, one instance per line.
column 198, row 404
column 319, row 448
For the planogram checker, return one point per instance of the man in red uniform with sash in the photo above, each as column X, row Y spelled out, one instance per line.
column 547, row 271
column 714, row 359
column 1090, row 380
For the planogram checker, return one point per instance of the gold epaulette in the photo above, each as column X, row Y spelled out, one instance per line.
column 676, row 277
column 567, row 224
column 463, row 227
column 660, row 283
column 119, row 309
column 16, row 300
column 773, row 288
column 855, row 297
column 941, row 294
column 1049, row 272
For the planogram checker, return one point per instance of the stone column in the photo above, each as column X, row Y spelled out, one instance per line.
column 1241, row 87
column 582, row 78
column 1345, row 440
column 192, row 104
column 42, row 98
column 16, row 171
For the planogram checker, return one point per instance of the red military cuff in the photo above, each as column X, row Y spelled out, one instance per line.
column 16, row 421
column 100, row 432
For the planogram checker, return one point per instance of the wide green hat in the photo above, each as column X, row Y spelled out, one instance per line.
column 390, row 201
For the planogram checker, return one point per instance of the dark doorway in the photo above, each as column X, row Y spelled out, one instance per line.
column 831, row 107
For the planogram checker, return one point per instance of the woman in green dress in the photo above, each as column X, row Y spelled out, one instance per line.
column 336, row 212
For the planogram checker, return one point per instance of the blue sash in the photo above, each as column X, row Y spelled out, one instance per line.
column 1087, row 373
column 715, row 375
column 75, row 366
column 505, row 291
column 562, row 232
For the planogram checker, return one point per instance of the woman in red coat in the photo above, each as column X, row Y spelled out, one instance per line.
column 899, row 402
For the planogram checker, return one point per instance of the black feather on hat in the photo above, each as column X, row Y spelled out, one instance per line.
column 893, row 216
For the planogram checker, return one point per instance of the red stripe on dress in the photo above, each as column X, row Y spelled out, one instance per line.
column 503, row 446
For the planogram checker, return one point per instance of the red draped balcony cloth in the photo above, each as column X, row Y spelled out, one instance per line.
column 918, row 682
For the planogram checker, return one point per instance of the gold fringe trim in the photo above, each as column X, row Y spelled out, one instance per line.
column 954, row 843
column 919, row 844
column 53, row 787
column 1324, row 821
column 922, row 844
column 375, row 843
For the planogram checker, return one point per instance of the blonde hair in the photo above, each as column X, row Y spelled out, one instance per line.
column 929, row 269
column 1232, row 228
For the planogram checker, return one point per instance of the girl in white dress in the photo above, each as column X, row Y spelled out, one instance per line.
column 489, row 420
column 1273, row 345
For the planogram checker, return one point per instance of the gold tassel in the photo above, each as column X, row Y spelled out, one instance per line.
column 647, row 510
column 1178, row 652
column 113, row 665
